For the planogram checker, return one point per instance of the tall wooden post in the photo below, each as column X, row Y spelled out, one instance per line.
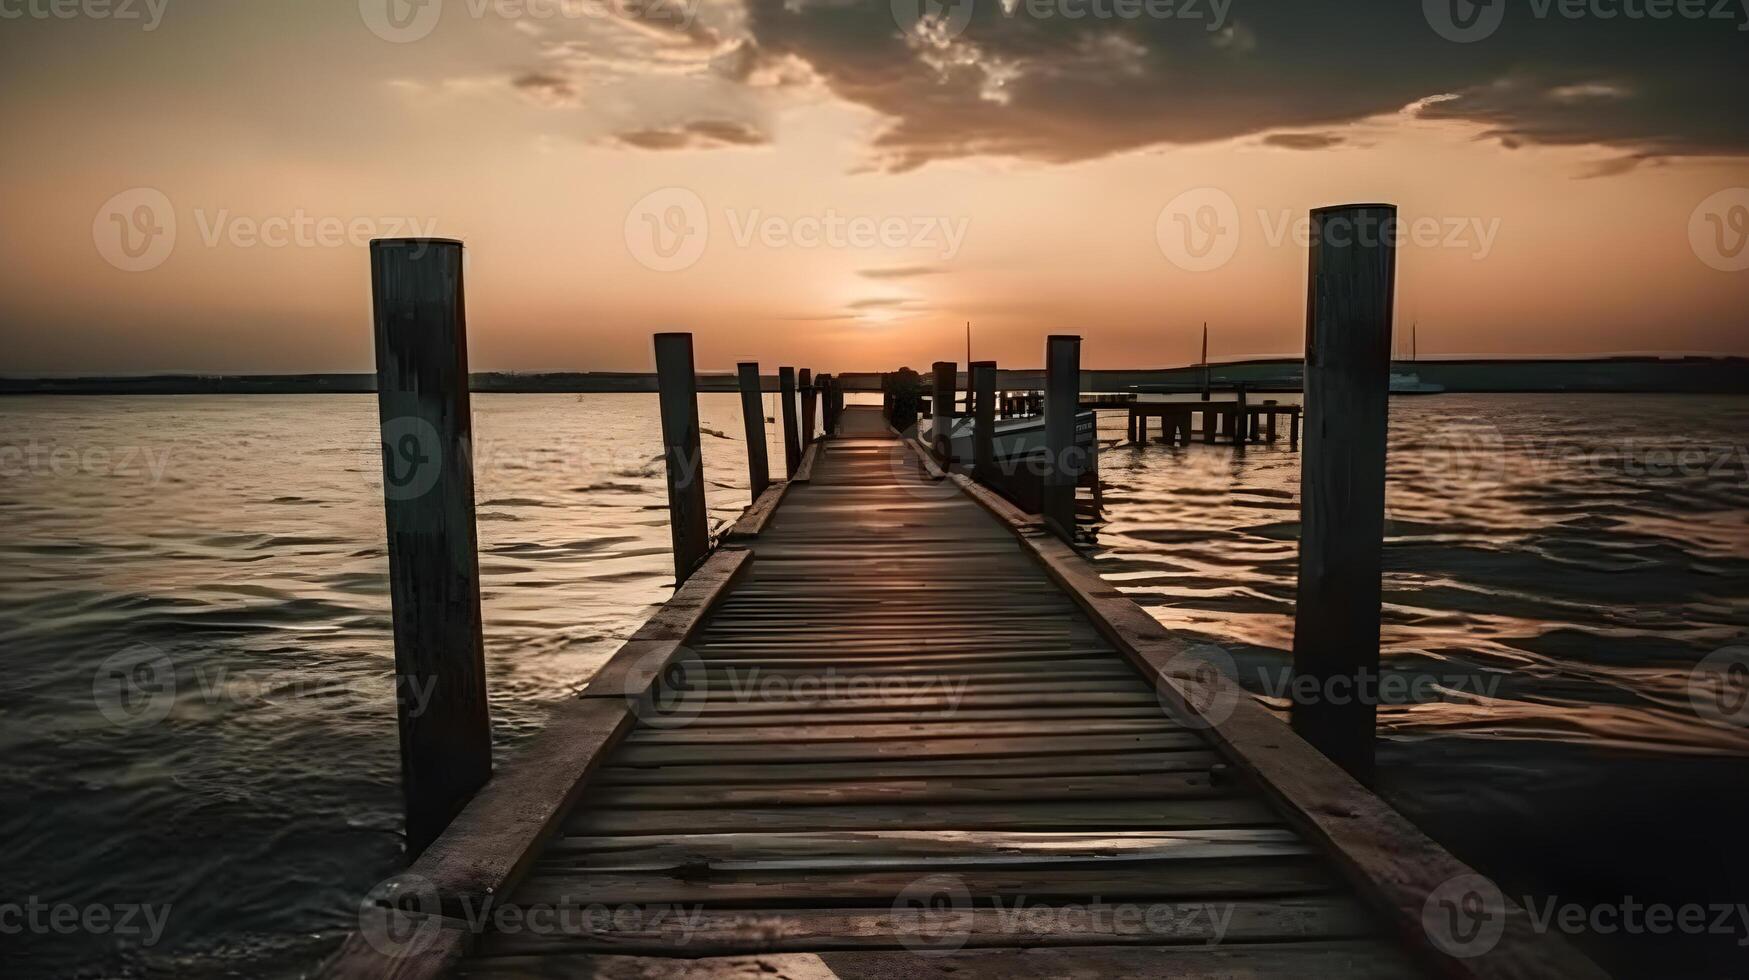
column 688, row 524
column 983, row 385
column 1062, row 402
column 753, row 421
column 428, row 499
column 792, row 446
column 942, row 407
column 807, row 388
column 1350, row 297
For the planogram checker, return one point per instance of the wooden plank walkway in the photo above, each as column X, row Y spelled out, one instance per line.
column 906, row 733
column 897, row 704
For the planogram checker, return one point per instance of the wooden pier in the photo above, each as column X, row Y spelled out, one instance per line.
column 892, row 709
column 890, row 725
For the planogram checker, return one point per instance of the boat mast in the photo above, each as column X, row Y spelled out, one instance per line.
column 1205, row 360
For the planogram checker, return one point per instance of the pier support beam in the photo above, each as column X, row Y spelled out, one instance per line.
column 792, row 446
column 983, row 387
column 428, row 499
column 753, row 421
column 677, row 383
column 1351, row 292
column 808, row 389
column 941, row 405
column 1063, row 465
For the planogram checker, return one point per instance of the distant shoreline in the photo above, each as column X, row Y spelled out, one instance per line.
column 1684, row 375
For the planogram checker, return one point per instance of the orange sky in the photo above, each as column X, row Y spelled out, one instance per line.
column 612, row 180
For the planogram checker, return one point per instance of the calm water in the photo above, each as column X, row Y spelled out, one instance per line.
column 1556, row 567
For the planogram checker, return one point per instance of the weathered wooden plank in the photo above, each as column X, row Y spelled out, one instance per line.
column 903, row 848
column 705, row 932
column 1348, row 959
column 941, row 729
column 1233, row 878
column 1110, row 815
column 636, row 664
column 644, row 754
column 1182, row 760
column 959, row 789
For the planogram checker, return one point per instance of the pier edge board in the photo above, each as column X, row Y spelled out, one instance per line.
column 758, row 514
column 1393, row 865
column 491, row 845
column 805, row 471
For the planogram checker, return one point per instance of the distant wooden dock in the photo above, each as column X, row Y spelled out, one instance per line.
column 889, row 725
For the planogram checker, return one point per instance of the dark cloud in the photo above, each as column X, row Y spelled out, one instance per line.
column 545, row 86
column 1302, row 141
column 1057, row 89
column 902, row 272
column 704, row 133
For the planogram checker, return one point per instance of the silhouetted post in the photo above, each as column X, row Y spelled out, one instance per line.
column 1342, row 476
column 1208, row 425
column 942, row 406
column 1269, row 431
column 428, row 499
column 983, row 385
column 678, row 390
column 807, row 388
column 1062, row 402
column 753, row 420
column 792, row 446
column 1241, row 419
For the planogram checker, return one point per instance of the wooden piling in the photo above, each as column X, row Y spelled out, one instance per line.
column 983, row 386
column 1350, row 295
column 420, row 328
column 1269, row 409
column 807, row 388
column 753, row 421
column 677, row 386
column 1208, row 425
column 1062, row 403
column 792, row 446
column 1241, row 419
column 942, row 406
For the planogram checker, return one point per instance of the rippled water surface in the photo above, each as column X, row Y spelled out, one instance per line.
column 1556, row 566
